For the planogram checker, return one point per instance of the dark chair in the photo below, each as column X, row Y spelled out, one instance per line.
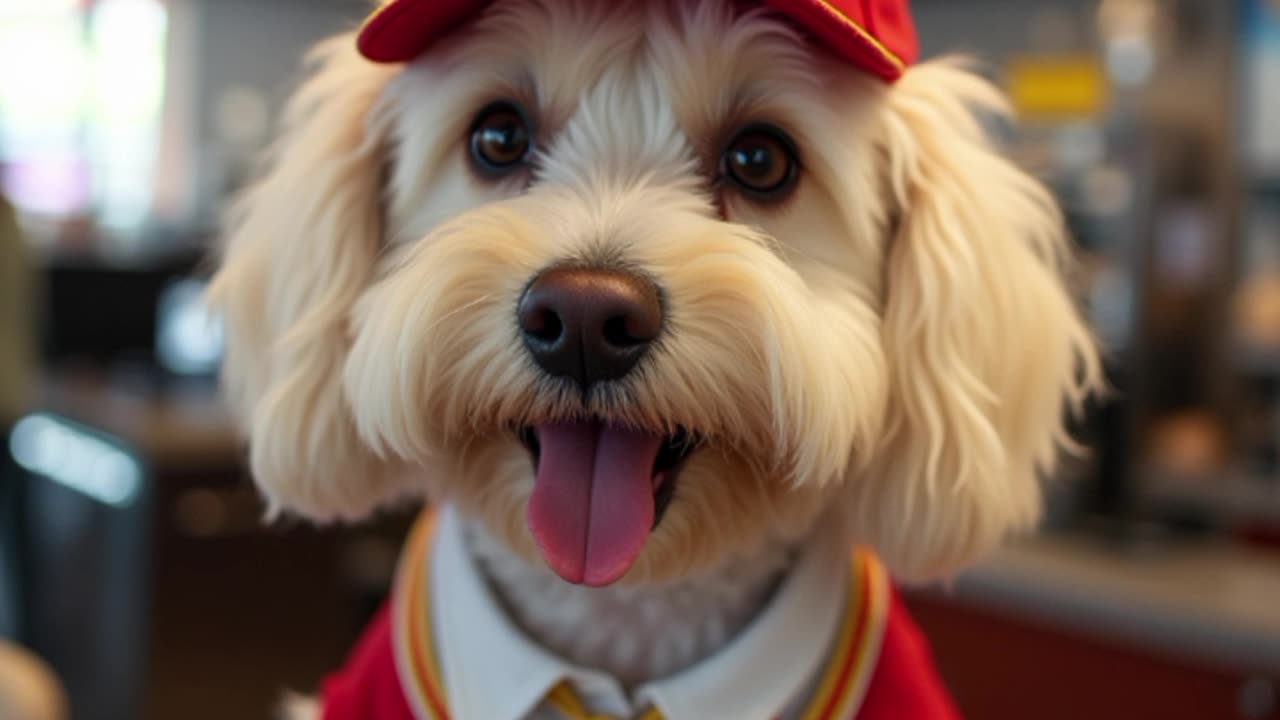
column 77, row 579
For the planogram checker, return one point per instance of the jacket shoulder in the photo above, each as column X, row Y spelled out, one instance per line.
column 368, row 686
column 905, row 684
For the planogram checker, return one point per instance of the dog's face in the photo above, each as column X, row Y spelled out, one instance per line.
column 644, row 285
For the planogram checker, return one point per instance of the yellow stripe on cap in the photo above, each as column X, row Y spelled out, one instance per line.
column 865, row 34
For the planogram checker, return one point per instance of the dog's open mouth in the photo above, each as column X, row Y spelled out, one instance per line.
column 600, row 490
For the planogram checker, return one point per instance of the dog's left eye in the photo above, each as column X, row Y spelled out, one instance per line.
column 761, row 160
column 500, row 138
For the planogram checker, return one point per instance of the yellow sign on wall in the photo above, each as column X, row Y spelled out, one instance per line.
column 1058, row 86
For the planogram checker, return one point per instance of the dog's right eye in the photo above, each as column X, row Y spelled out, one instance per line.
column 761, row 161
column 500, row 138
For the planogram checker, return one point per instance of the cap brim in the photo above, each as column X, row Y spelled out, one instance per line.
column 843, row 36
column 400, row 31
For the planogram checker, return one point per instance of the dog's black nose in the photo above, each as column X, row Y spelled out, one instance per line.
column 589, row 325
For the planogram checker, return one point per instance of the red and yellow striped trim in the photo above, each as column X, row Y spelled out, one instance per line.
column 415, row 650
column 840, row 691
column 853, row 660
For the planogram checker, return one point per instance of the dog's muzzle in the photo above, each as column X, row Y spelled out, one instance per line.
column 600, row 487
column 589, row 325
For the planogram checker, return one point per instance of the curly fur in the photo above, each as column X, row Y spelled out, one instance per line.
column 893, row 344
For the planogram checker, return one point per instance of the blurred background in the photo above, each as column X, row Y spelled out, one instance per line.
column 133, row 558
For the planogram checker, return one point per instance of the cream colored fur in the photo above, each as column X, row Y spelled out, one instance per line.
column 893, row 345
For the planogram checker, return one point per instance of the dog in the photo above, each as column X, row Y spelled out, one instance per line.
column 665, row 306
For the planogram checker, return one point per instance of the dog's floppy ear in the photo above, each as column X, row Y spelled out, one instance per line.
column 300, row 249
column 985, row 343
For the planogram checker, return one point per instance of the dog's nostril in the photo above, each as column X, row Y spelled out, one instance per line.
column 619, row 331
column 589, row 325
column 544, row 325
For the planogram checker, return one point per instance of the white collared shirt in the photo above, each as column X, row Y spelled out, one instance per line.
column 492, row 671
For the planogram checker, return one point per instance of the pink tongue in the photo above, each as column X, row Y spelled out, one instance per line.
column 592, row 504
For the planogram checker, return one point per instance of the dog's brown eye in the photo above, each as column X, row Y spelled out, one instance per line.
column 500, row 138
column 761, row 160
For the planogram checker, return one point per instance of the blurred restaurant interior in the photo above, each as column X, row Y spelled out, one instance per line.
column 134, row 558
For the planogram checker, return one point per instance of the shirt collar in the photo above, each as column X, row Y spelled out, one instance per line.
column 754, row 677
column 479, row 647
column 766, row 668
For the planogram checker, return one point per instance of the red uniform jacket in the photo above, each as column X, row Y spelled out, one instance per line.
column 903, row 682
column 904, row 686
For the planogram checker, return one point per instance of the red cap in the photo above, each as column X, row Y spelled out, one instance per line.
column 878, row 36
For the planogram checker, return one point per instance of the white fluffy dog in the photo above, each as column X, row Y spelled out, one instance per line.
column 654, row 296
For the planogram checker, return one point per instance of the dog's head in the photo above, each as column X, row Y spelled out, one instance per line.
column 644, row 285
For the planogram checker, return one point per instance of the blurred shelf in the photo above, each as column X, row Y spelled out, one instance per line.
column 1237, row 497
column 1256, row 358
column 1265, row 178
column 1266, row 188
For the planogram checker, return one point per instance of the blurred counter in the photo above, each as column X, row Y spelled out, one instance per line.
column 1068, row 627
column 176, row 426
column 1208, row 601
